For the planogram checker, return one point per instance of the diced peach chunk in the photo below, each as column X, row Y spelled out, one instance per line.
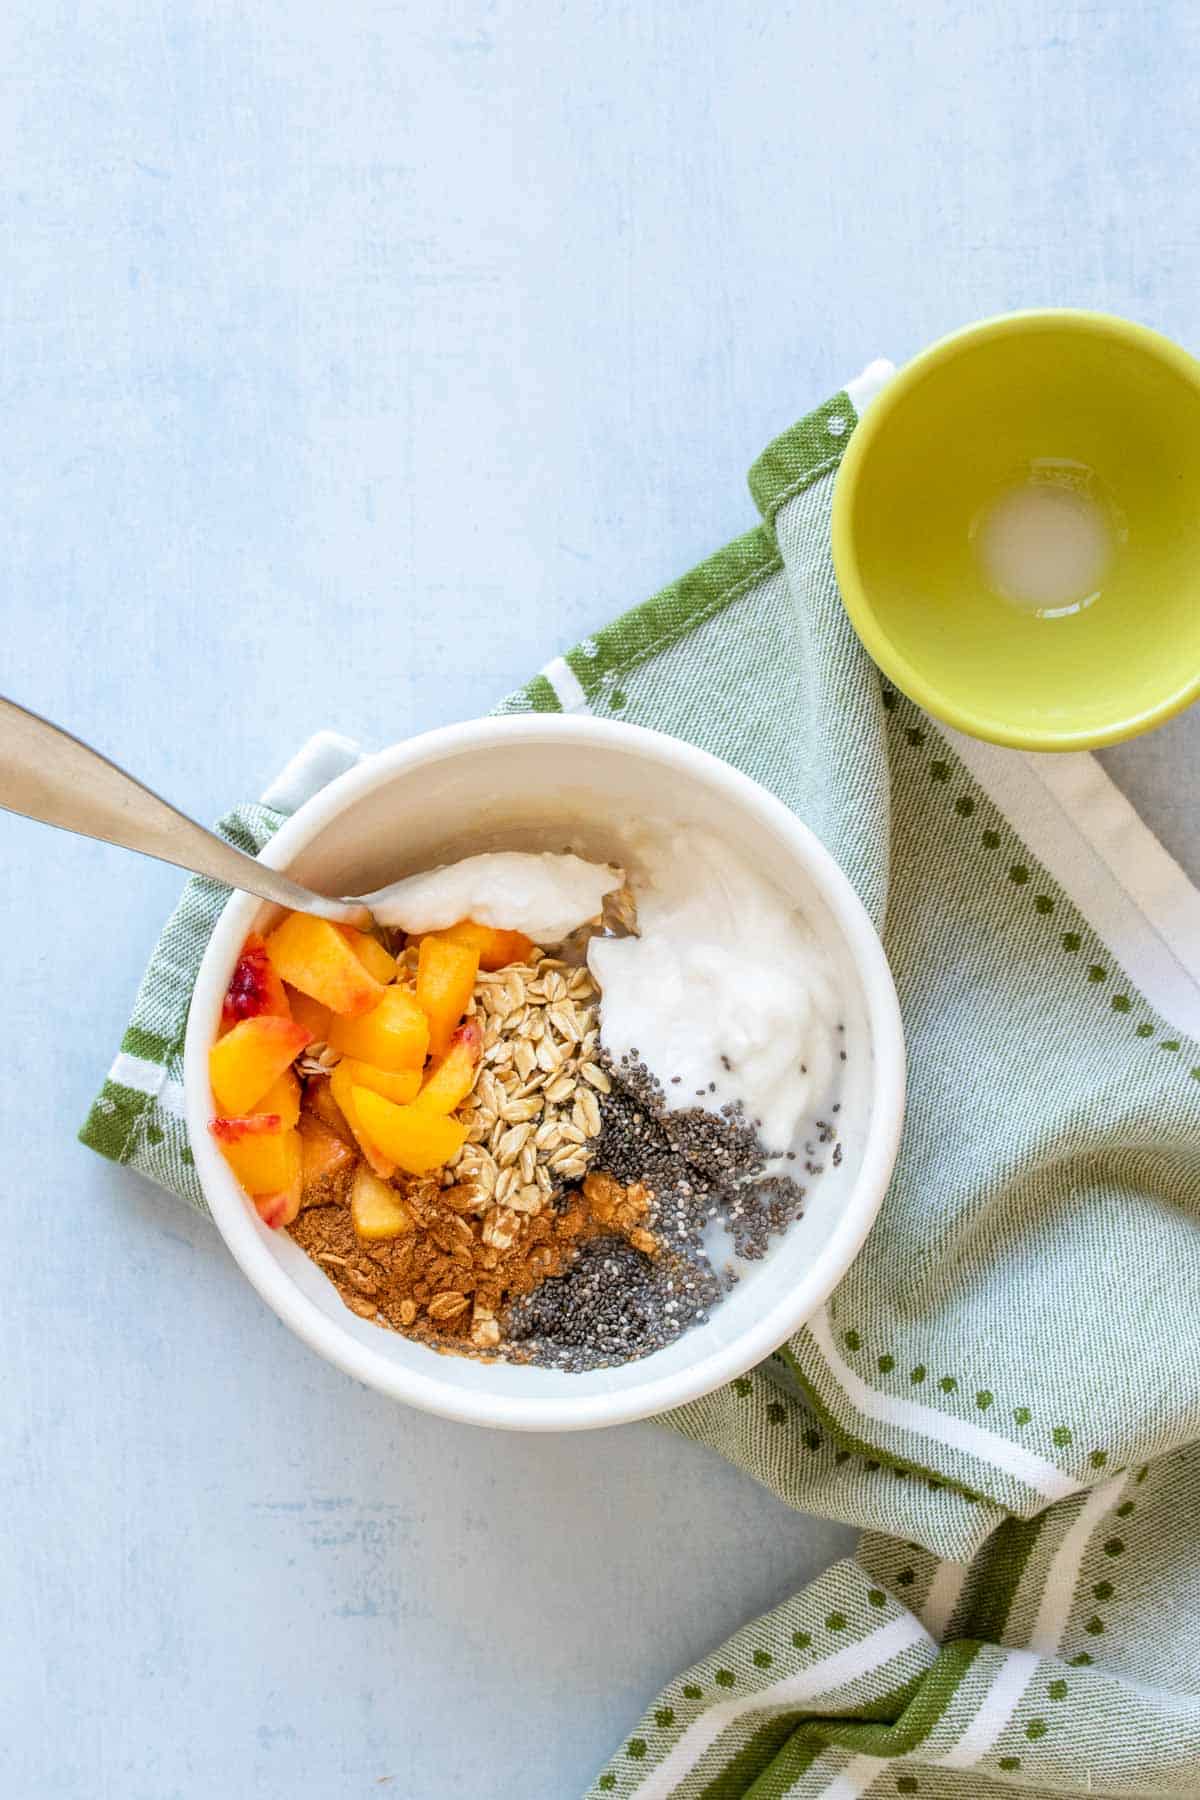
column 344, row 1092
column 310, row 1013
column 254, row 986
column 243, row 1064
column 497, row 949
column 283, row 1097
column 393, row 1035
column 445, row 982
column 253, row 1147
column 281, row 1207
column 415, row 1140
column 325, row 1157
column 451, row 1080
column 400, row 1085
column 314, row 956
column 370, row 953
column 319, row 1101
column 377, row 1211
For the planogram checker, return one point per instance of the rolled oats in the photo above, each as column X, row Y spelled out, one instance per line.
column 530, row 1118
column 500, row 1228
column 565, row 1022
column 447, row 1306
column 587, row 1103
column 485, row 1328
column 515, row 989
column 509, row 1147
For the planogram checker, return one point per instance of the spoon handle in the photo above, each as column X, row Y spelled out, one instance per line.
column 49, row 775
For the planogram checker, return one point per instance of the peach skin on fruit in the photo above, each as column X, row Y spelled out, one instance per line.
column 254, row 986
column 254, row 1149
column 279, row 1208
column 451, row 1080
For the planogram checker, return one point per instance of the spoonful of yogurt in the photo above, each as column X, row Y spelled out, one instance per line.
column 48, row 775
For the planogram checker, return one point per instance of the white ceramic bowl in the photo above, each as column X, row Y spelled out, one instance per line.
column 555, row 781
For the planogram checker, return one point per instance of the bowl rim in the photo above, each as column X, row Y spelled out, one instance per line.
column 234, row 1216
column 853, row 588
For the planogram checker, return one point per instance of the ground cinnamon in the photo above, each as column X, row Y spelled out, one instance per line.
column 449, row 1280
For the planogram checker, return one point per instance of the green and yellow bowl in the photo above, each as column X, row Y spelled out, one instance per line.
column 965, row 423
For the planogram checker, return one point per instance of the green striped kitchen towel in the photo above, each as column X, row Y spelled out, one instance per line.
column 1004, row 1391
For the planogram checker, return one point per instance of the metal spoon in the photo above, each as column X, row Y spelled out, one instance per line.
column 49, row 775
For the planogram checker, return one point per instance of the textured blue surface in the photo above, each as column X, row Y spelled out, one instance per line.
column 354, row 360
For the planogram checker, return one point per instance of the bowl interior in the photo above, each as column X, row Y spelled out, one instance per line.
column 965, row 424
column 574, row 795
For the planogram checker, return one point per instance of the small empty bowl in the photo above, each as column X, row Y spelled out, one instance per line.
column 1016, row 530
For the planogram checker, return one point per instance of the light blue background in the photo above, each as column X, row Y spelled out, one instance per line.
column 354, row 360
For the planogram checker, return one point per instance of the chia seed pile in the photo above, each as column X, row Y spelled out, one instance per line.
column 615, row 1303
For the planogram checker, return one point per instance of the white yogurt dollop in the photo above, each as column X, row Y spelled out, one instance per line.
column 544, row 895
column 725, row 986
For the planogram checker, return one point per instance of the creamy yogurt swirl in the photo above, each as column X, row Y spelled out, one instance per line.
column 724, row 995
column 546, row 896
